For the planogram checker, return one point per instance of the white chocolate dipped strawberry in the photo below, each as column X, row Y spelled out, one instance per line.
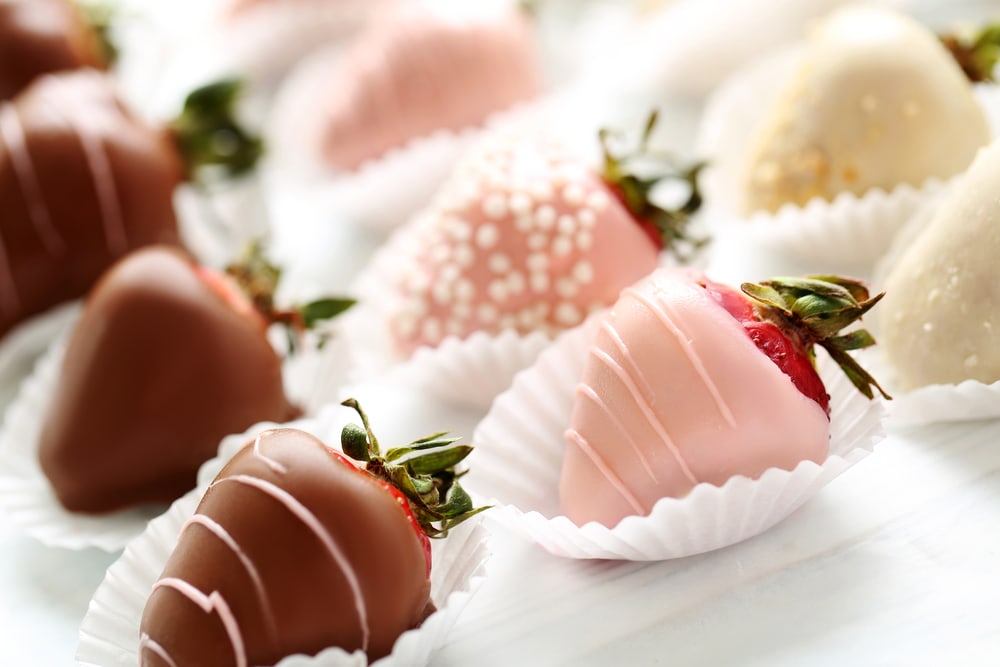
column 876, row 101
column 527, row 238
column 940, row 322
column 689, row 381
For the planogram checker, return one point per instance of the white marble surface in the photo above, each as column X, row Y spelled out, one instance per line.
column 896, row 562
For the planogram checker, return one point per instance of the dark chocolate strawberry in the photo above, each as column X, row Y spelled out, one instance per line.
column 83, row 181
column 166, row 359
column 42, row 36
column 295, row 548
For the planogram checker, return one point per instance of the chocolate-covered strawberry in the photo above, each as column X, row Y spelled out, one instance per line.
column 527, row 237
column 296, row 548
column 690, row 381
column 42, row 36
column 167, row 358
column 83, row 181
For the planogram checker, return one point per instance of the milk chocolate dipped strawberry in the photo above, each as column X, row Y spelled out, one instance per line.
column 940, row 323
column 690, row 381
column 424, row 67
column 42, row 36
column 166, row 359
column 296, row 548
column 529, row 238
column 876, row 101
column 83, row 181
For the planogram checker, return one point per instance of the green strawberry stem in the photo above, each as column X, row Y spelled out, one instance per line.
column 100, row 16
column 622, row 173
column 977, row 54
column 207, row 133
column 423, row 471
column 813, row 311
column 258, row 279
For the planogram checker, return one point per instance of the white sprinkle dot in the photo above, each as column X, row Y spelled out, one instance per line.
column 520, row 203
column 462, row 311
column 449, row 273
column 527, row 320
column 524, row 222
column 454, row 327
column 508, row 322
column 459, row 229
column 540, row 192
column 406, row 326
column 499, row 263
column 515, row 282
column 442, row 292
column 537, row 261
column 441, row 253
column 487, row 235
column 562, row 246
column 584, row 240
column 567, row 224
column 587, row 218
column 495, row 206
column 573, row 194
column 431, row 330
column 566, row 288
column 539, row 282
column 598, row 200
column 545, row 217
column 464, row 290
column 464, row 255
column 497, row 290
column 567, row 314
column 583, row 271
column 487, row 313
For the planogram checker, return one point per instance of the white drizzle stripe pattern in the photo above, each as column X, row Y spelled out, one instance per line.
column 12, row 134
column 626, row 433
column 146, row 643
column 661, row 309
column 100, row 171
column 609, row 474
column 209, row 603
column 275, row 466
column 263, row 599
column 309, row 519
column 647, row 411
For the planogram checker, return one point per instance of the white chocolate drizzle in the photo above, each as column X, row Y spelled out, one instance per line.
column 98, row 164
column 12, row 134
column 145, row 642
column 263, row 599
column 214, row 601
column 301, row 512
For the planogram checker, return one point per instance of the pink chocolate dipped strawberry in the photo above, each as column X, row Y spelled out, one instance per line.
column 83, row 181
column 295, row 548
column 424, row 67
column 42, row 36
column 525, row 237
column 167, row 358
column 690, row 381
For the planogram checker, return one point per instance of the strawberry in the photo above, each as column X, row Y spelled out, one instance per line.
column 42, row 36
column 421, row 68
column 295, row 548
column 875, row 102
column 525, row 237
column 690, row 381
column 166, row 359
column 83, row 181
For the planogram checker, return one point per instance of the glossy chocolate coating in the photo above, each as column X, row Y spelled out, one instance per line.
column 82, row 182
column 157, row 370
column 299, row 552
column 42, row 36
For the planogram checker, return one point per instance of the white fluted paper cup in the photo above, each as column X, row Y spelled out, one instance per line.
column 109, row 633
column 519, row 452
column 849, row 233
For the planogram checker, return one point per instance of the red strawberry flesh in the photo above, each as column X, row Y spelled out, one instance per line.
column 792, row 358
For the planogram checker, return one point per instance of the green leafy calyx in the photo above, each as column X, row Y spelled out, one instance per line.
column 813, row 311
